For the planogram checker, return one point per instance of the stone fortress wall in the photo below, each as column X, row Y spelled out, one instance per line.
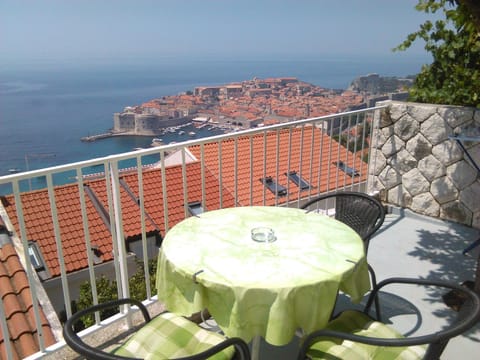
column 144, row 124
column 415, row 163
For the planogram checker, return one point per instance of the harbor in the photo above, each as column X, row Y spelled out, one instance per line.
column 166, row 135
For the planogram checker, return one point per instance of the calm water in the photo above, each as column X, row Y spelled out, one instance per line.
column 45, row 111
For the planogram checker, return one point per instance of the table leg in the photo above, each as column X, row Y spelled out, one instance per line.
column 256, row 347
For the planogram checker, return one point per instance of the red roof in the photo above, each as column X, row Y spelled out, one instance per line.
column 319, row 172
column 40, row 227
column 17, row 304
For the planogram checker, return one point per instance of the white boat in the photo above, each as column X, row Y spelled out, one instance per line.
column 157, row 142
column 191, row 133
column 14, row 170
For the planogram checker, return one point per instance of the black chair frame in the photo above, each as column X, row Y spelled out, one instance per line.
column 365, row 230
column 436, row 341
column 372, row 210
column 242, row 350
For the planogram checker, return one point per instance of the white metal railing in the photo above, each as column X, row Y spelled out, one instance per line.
column 337, row 125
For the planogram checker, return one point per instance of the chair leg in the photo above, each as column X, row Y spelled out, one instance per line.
column 377, row 301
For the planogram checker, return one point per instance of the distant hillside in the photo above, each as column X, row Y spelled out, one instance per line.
column 376, row 84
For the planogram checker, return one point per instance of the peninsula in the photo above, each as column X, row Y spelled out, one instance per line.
column 242, row 105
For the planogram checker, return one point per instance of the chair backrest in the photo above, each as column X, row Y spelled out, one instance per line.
column 360, row 211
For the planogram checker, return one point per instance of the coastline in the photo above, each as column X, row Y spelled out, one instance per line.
column 47, row 112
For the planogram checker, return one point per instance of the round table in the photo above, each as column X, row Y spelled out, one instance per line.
column 255, row 288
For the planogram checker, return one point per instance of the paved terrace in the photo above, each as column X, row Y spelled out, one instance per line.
column 410, row 245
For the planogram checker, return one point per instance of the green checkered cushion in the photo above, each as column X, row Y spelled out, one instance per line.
column 170, row 336
column 355, row 322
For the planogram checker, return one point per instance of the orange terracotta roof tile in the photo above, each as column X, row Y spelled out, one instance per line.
column 320, row 172
column 18, row 307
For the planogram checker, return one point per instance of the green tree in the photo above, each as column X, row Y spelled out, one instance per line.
column 454, row 43
column 473, row 7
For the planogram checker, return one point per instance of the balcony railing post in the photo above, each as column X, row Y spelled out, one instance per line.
column 28, row 265
column 123, row 290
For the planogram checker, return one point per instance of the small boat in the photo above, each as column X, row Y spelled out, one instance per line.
column 157, row 142
column 191, row 133
column 181, row 132
column 14, row 170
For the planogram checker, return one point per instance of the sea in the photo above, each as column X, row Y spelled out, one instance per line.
column 46, row 108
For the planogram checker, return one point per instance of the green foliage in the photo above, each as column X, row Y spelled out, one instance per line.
column 454, row 43
column 107, row 290
column 356, row 142
column 138, row 289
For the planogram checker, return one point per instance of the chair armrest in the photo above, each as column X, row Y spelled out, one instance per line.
column 464, row 321
column 439, row 339
column 242, row 350
column 375, row 341
column 77, row 344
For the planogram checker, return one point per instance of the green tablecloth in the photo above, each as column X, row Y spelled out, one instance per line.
column 253, row 288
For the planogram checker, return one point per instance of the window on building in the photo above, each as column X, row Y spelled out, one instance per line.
column 97, row 254
column 300, row 182
column 348, row 170
column 37, row 260
column 35, row 257
column 272, row 185
column 195, row 208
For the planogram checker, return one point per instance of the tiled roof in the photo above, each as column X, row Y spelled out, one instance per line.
column 319, row 172
column 154, row 196
column 40, row 228
column 38, row 218
column 17, row 304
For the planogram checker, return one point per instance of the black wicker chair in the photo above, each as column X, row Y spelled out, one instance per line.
column 166, row 336
column 362, row 212
column 355, row 335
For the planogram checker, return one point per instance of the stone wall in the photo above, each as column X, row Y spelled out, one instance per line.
column 145, row 124
column 417, row 165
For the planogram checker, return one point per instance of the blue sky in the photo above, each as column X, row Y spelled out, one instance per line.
column 140, row 29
